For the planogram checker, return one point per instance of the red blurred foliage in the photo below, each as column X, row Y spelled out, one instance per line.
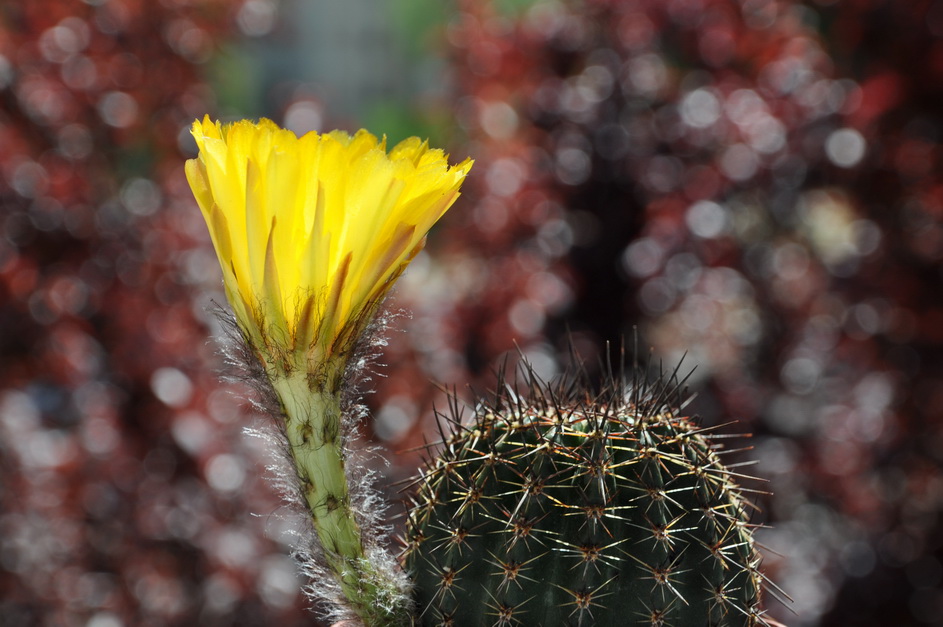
column 124, row 481
column 756, row 183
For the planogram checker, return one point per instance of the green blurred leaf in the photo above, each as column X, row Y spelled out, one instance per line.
column 415, row 21
column 514, row 7
column 234, row 75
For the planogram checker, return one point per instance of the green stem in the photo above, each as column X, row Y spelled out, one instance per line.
column 313, row 426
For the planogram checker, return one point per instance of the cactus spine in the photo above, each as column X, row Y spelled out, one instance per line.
column 560, row 507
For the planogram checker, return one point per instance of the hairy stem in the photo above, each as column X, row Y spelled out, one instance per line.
column 313, row 425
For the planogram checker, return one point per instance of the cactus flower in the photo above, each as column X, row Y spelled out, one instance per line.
column 312, row 231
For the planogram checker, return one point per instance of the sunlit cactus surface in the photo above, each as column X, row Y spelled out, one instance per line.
column 557, row 506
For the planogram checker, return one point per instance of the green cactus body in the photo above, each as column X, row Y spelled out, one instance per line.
column 610, row 511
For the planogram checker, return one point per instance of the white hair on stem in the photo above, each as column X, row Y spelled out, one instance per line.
column 367, row 504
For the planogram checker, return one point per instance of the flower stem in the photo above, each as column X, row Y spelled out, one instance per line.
column 313, row 425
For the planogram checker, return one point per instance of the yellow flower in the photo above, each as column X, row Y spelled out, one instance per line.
column 312, row 231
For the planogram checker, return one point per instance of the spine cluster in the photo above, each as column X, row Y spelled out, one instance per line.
column 560, row 507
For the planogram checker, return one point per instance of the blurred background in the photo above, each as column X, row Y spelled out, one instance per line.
column 756, row 183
